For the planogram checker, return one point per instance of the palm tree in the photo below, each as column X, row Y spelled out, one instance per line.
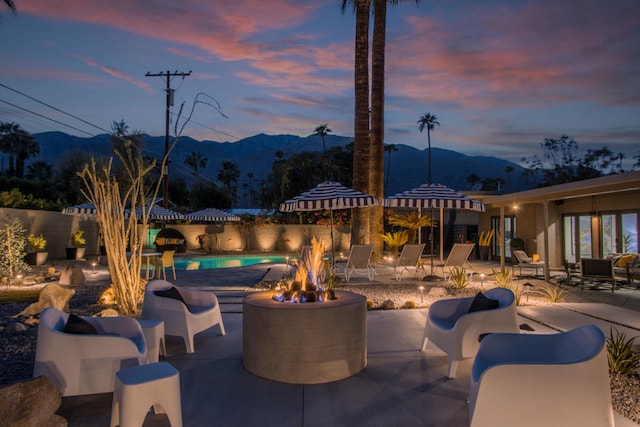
column 196, row 160
column 412, row 221
column 228, row 175
column 11, row 5
column 19, row 145
column 428, row 121
column 322, row 131
column 471, row 180
column 361, row 144
column 508, row 170
column 388, row 148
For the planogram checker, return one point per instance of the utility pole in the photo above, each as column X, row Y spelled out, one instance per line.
column 165, row 173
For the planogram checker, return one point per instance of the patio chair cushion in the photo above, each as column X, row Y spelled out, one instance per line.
column 77, row 325
column 624, row 260
column 172, row 292
column 481, row 302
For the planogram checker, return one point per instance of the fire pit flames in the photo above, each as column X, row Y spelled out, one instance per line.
column 306, row 286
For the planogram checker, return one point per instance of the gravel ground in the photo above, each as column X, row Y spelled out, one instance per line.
column 18, row 350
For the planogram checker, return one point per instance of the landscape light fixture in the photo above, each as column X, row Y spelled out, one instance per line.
column 421, row 294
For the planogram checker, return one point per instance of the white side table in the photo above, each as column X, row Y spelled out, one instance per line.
column 153, row 331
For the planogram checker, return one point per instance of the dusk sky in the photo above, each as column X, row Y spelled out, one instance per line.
column 499, row 75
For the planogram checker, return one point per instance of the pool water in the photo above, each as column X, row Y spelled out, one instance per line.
column 208, row 262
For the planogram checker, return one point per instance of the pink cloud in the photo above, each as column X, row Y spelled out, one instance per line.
column 116, row 73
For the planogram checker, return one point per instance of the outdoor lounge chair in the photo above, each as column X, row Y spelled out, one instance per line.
column 458, row 258
column 185, row 312
column 597, row 270
column 455, row 330
column 522, row 260
column 82, row 356
column 409, row 258
column 549, row 380
column 359, row 262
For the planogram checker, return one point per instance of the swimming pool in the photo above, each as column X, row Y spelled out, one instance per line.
column 209, row 262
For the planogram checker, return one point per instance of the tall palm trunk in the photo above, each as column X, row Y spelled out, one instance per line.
column 361, row 143
column 376, row 171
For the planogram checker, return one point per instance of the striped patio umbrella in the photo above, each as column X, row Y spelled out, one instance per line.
column 84, row 210
column 211, row 215
column 158, row 213
column 431, row 196
column 329, row 195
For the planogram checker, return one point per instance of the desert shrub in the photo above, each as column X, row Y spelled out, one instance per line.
column 370, row 304
column 503, row 279
column 460, row 277
column 410, row 304
column 388, row 305
column 620, row 355
column 552, row 293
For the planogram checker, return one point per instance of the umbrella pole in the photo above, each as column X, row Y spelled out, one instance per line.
column 333, row 250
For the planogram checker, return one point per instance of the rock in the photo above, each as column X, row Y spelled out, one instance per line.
column 15, row 328
column 107, row 297
column 32, row 321
column 72, row 275
column 388, row 305
column 437, row 291
column 52, row 295
column 108, row 312
column 31, row 403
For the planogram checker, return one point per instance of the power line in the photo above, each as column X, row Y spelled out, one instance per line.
column 45, row 117
column 55, row 108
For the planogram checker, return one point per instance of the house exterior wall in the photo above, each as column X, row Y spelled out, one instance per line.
column 530, row 219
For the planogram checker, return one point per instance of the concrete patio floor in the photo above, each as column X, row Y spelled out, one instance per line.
column 401, row 386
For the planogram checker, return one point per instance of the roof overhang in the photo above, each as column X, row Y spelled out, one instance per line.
column 609, row 184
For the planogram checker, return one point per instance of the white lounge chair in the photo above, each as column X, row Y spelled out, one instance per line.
column 522, row 260
column 455, row 330
column 458, row 258
column 409, row 258
column 552, row 380
column 359, row 262
column 86, row 363
column 185, row 312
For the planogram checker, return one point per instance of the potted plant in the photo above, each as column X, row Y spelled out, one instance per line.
column 77, row 241
column 36, row 255
column 484, row 243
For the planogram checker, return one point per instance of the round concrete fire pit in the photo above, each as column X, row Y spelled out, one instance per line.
column 310, row 343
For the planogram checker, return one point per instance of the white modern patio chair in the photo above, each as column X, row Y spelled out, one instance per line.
column 85, row 359
column 454, row 325
column 458, row 258
column 185, row 312
column 551, row 380
column 359, row 262
column 409, row 259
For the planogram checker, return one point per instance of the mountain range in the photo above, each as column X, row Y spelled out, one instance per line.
column 256, row 154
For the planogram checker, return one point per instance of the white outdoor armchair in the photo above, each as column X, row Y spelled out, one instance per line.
column 455, row 330
column 359, row 262
column 198, row 311
column 79, row 364
column 549, row 380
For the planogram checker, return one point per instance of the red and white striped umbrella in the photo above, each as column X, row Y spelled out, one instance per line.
column 433, row 196
column 329, row 196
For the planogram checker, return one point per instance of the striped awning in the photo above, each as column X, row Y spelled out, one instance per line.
column 85, row 210
column 326, row 196
column 433, row 196
column 211, row 215
column 158, row 213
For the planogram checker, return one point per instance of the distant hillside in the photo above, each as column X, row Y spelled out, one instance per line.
column 256, row 154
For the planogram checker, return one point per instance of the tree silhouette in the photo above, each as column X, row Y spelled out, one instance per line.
column 388, row 148
column 196, row 160
column 428, row 122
